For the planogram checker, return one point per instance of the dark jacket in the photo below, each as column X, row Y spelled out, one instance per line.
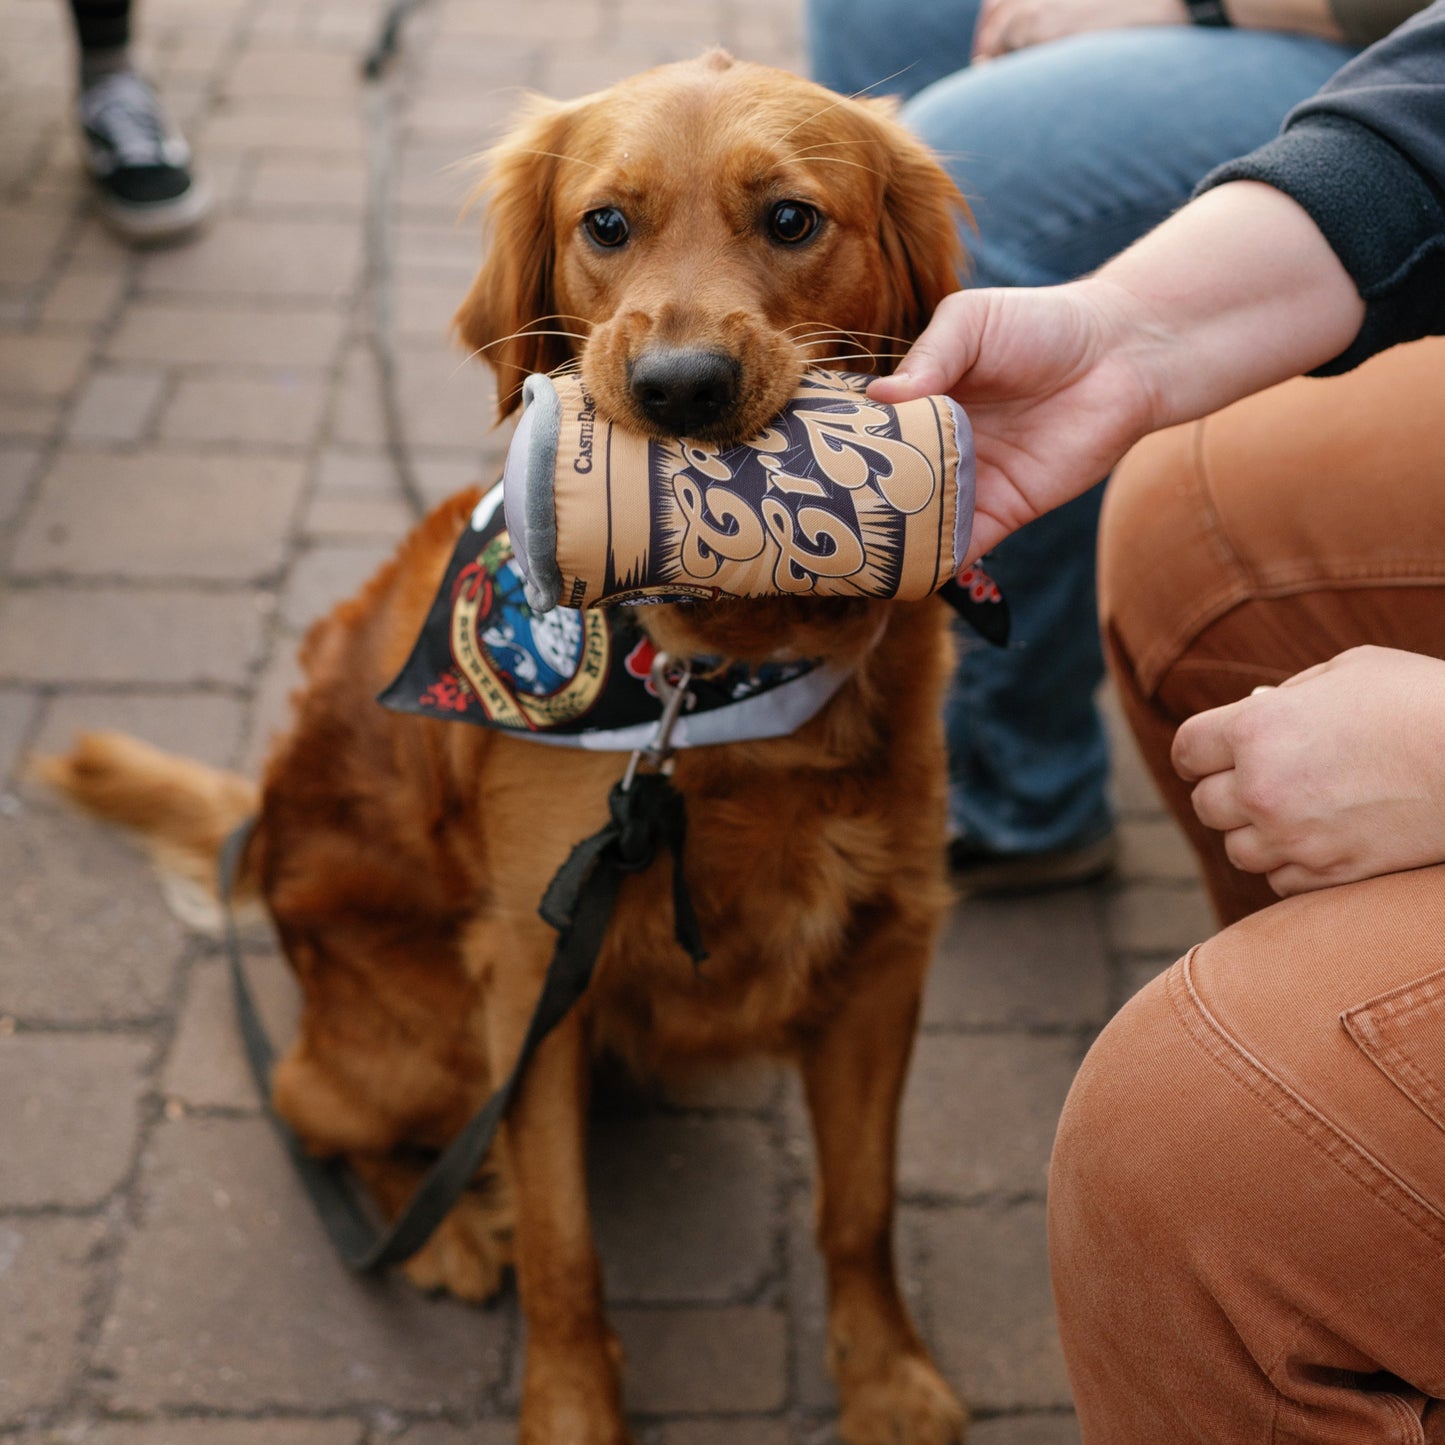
column 1366, row 158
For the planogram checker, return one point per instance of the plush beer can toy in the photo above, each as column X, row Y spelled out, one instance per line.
column 839, row 496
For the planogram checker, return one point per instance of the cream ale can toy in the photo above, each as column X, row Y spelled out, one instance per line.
column 838, row 496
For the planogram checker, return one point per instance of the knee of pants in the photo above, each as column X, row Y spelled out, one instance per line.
column 1233, row 1160
column 1311, row 486
column 888, row 47
column 1229, row 1097
column 1151, row 1126
column 1158, row 1169
column 1161, row 573
column 1124, row 1128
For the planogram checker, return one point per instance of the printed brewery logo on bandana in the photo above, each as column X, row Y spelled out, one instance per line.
column 523, row 670
column 577, row 678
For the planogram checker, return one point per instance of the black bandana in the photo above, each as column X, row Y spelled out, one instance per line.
column 576, row 678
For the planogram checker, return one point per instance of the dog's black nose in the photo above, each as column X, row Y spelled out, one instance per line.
column 684, row 393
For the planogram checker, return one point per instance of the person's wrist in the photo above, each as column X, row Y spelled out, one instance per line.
column 1132, row 340
column 1415, row 684
column 1233, row 293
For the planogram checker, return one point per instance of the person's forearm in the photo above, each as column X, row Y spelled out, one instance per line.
column 1235, row 292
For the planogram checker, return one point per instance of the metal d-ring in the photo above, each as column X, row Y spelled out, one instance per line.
column 658, row 753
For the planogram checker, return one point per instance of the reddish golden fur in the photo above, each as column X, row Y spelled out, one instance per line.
column 403, row 859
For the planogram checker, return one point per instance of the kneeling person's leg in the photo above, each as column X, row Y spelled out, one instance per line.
column 1271, row 536
column 1247, row 1202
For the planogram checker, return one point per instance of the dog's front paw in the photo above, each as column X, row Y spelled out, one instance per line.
column 572, row 1425
column 572, row 1395
column 571, row 1417
column 905, row 1403
column 467, row 1254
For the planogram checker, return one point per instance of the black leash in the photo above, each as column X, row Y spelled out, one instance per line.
column 388, row 38
column 647, row 815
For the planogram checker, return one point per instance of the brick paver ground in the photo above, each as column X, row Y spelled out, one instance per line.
column 192, row 463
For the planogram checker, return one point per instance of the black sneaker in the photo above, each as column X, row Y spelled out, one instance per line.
column 977, row 870
column 140, row 166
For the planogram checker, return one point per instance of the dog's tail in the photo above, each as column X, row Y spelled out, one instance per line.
column 181, row 811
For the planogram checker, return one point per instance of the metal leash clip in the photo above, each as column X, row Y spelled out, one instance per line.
column 658, row 753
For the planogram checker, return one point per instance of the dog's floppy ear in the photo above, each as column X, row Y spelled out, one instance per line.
column 511, row 303
column 919, row 229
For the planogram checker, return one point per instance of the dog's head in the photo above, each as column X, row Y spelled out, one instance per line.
column 698, row 235
column 694, row 238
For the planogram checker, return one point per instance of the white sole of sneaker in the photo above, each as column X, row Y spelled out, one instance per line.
column 155, row 225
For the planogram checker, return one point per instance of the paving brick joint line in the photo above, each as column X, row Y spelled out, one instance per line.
column 192, row 466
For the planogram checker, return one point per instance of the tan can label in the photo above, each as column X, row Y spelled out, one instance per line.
column 839, row 497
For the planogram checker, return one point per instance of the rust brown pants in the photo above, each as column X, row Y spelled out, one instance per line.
column 1247, row 1214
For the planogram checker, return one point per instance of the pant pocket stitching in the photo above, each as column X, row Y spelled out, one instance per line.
column 1316, row 574
column 1158, row 659
column 1402, row 1064
column 1363, row 1024
column 1414, row 1430
column 1302, row 1118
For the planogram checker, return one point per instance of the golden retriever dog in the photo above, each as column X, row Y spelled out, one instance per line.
column 694, row 238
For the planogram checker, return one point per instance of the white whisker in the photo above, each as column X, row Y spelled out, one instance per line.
column 558, row 156
column 840, row 161
column 856, row 356
column 843, row 100
column 513, row 336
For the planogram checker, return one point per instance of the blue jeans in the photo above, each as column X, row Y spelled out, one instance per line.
column 1067, row 152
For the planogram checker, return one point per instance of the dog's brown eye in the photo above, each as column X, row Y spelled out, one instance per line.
column 607, row 226
column 792, row 221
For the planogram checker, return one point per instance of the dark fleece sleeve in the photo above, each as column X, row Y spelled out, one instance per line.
column 1366, row 21
column 1366, row 158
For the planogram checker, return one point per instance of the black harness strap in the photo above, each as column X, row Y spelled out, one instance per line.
column 647, row 815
